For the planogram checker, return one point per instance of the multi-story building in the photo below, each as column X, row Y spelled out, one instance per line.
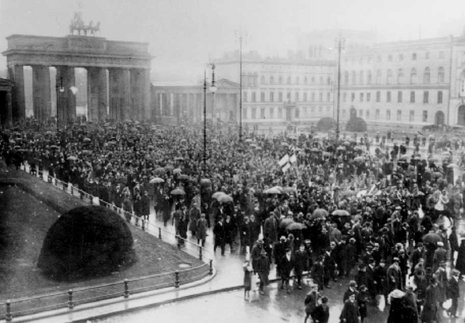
column 279, row 92
column 405, row 84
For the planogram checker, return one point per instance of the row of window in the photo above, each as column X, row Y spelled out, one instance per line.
column 388, row 116
column 294, row 97
column 254, row 113
column 353, row 78
column 366, row 97
column 296, row 81
column 391, row 57
column 278, row 112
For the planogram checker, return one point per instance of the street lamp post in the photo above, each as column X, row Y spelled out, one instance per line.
column 213, row 90
column 340, row 41
column 240, row 37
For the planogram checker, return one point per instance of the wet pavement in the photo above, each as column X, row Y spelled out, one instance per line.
column 228, row 307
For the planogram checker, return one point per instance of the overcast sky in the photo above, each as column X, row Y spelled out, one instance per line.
column 185, row 34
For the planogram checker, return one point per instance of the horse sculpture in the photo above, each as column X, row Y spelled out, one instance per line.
column 77, row 25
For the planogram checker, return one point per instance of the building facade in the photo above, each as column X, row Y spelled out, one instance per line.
column 280, row 92
column 179, row 104
column 406, row 84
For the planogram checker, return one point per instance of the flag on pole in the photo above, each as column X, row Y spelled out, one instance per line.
column 283, row 161
column 293, row 159
column 285, row 167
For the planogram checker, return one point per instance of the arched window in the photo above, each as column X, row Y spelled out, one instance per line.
column 389, row 76
column 346, row 77
column 427, row 75
column 400, row 75
column 413, row 75
column 441, row 74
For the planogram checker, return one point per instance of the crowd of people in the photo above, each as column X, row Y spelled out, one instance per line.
column 381, row 212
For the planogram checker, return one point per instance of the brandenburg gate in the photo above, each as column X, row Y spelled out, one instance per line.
column 118, row 76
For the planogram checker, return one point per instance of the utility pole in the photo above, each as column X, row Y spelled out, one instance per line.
column 340, row 41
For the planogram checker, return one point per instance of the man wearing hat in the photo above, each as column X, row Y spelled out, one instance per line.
column 394, row 276
column 279, row 250
column 453, row 292
column 440, row 254
column 351, row 290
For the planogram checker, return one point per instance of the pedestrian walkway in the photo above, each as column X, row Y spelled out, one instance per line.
column 227, row 275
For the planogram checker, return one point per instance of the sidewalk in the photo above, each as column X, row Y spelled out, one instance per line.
column 227, row 275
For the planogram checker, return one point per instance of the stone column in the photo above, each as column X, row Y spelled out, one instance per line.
column 119, row 94
column 97, row 94
column 9, row 110
column 16, row 74
column 41, row 92
column 147, row 95
column 66, row 100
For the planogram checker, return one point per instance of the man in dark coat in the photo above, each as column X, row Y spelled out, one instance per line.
column 350, row 313
column 453, row 242
column 279, row 250
column 380, row 276
column 351, row 290
column 453, row 292
column 300, row 264
column 262, row 267
column 318, row 272
column 287, row 264
column 219, row 232
column 431, row 312
column 394, row 276
column 270, row 228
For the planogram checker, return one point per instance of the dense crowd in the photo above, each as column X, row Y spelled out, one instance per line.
column 381, row 212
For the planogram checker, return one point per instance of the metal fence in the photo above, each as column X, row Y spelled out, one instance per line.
column 78, row 296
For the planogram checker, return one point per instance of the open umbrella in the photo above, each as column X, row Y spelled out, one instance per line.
column 54, row 147
column 160, row 170
column 156, row 180
column 177, row 171
column 248, row 140
column 285, row 222
column 431, row 238
column 340, row 213
column 319, row 213
column 296, row 226
column 87, row 139
column 216, row 195
column 183, row 177
column 205, row 181
column 225, row 198
column 178, row 192
column 169, row 167
column 179, row 159
column 359, row 159
column 72, row 158
column 274, row 190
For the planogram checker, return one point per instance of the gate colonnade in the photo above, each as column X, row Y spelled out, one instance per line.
column 118, row 76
